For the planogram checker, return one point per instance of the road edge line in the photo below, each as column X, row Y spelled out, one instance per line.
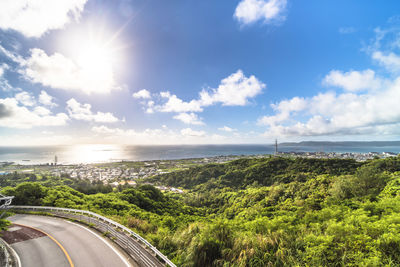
column 105, row 241
column 51, row 237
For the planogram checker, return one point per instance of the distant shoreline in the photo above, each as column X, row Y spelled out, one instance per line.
column 111, row 153
column 341, row 143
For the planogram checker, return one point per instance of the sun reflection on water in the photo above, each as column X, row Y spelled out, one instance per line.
column 94, row 154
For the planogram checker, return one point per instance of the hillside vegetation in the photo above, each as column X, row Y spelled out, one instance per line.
column 255, row 212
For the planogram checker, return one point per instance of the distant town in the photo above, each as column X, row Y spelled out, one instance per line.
column 129, row 172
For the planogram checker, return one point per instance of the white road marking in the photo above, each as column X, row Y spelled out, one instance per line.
column 102, row 239
column 15, row 254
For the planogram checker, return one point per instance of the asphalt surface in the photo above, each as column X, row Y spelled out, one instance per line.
column 82, row 246
column 33, row 247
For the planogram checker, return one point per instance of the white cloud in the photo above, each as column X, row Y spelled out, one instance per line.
column 150, row 107
column 11, row 55
column 142, row 94
column 12, row 115
column 353, row 80
column 46, row 99
column 190, row 132
column 3, row 68
column 234, row 90
column 284, row 110
column 58, row 71
column 33, row 18
column 189, row 118
column 338, row 114
column 42, row 111
column 84, row 112
column 227, row 129
column 175, row 104
column 269, row 11
column 390, row 61
column 25, row 99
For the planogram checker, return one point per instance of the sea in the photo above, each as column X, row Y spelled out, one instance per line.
column 76, row 154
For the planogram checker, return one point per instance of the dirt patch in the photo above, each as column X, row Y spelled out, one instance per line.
column 19, row 233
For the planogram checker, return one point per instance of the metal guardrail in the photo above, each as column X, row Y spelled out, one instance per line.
column 130, row 241
column 9, row 257
column 4, row 255
column 5, row 201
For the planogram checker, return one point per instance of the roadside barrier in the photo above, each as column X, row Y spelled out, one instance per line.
column 8, row 256
column 136, row 246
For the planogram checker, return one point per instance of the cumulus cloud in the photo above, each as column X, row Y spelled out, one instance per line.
column 337, row 114
column 234, row 90
column 25, row 99
column 284, row 109
column 353, row 80
column 84, row 112
column 144, row 94
column 368, row 105
column 227, row 129
column 46, row 99
column 150, row 107
column 390, row 61
column 33, row 18
column 4, row 111
column 175, row 104
column 189, row 118
column 13, row 115
column 58, row 71
column 268, row 11
column 42, row 111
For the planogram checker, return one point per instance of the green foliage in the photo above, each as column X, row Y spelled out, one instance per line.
column 26, row 194
column 253, row 212
column 4, row 224
column 263, row 172
column 82, row 185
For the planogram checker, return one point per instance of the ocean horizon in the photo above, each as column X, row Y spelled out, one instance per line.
column 75, row 154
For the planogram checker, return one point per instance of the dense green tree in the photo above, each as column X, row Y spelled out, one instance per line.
column 250, row 212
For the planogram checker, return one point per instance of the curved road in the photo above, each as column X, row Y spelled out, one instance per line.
column 67, row 244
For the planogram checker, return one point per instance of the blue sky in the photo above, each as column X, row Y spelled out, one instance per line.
column 198, row 72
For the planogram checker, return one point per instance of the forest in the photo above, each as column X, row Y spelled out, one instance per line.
column 250, row 212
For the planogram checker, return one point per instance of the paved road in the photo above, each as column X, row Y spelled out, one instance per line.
column 82, row 245
column 33, row 247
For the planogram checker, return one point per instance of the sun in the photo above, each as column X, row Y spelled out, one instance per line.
column 96, row 56
column 95, row 60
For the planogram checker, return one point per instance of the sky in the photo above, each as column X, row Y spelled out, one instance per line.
column 198, row 72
